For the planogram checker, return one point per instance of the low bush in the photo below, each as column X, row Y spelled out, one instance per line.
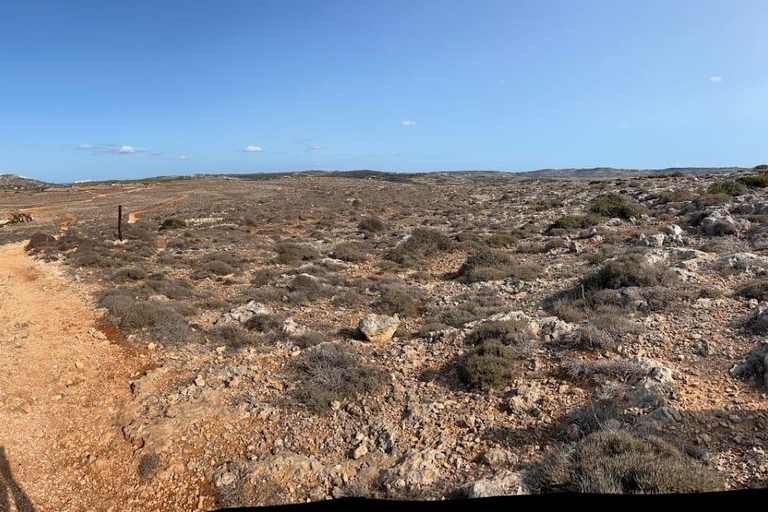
column 674, row 196
column 332, row 373
column 755, row 289
column 422, row 243
column 173, row 223
column 502, row 240
column 133, row 314
column 494, row 266
column 618, row 462
column 304, row 288
column 603, row 370
column 128, row 274
column 626, row 270
column 617, row 206
column 264, row 322
column 371, row 224
column 352, row 252
column 507, row 332
column 572, row 222
column 292, row 253
column 399, row 299
column 231, row 335
column 149, row 464
column 730, row 187
column 706, row 200
column 310, row 339
column 755, row 181
column 490, row 365
column 171, row 288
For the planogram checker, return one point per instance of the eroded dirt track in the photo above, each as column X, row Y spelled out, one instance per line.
column 134, row 216
column 61, row 384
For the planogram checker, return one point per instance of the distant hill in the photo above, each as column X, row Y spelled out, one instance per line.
column 610, row 172
column 15, row 182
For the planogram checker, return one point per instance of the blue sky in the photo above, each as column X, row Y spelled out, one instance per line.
column 101, row 89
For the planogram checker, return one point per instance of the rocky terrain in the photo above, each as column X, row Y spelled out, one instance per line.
column 269, row 340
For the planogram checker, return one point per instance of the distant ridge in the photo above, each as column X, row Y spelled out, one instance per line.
column 16, row 182
column 611, row 172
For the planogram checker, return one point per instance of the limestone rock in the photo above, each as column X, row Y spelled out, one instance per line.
column 378, row 328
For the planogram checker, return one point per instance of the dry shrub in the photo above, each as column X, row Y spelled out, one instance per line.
column 292, row 253
column 626, row 270
column 332, row 373
column 494, row 266
column 352, row 252
column 617, row 206
column 372, row 225
column 488, row 366
column 618, row 462
column 423, row 243
column 603, row 370
column 128, row 274
column 399, row 299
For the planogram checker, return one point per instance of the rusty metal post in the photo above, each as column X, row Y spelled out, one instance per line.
column 120, row 223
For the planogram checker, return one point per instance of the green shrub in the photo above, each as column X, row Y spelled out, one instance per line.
column 173, row 223
column 756, row 289
column 494, row 266
column 706, row 200
column 755, row 181
column 730, row 187
column 507, row 332
column 488, row 366
column 231, row 335
column 352, row 252
column 617, row 206
column 674, row 196
column 501, row 240
column 310, row 339
column 292, row 253
column 423, row 243
column 263, row 322
column 618, row 462
column 218, row 268
column 624, row 271
column 332, row 373
column 372, row 225
column 402, row 300
column 572, row 222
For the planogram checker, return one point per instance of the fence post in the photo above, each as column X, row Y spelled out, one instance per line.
column 120, row 223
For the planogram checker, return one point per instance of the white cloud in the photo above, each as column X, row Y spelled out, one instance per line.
column 85, row 146
column 315, row 146
column 716, row 79
column 408, row 124
column 183, row 158
column 126, row 150
column 623, row 127
column 253, row 149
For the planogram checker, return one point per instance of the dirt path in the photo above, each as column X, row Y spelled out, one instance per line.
column 134, row 216
column 61, row 384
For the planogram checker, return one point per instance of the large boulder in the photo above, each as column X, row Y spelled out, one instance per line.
column 721, row 222
column 378, row 328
